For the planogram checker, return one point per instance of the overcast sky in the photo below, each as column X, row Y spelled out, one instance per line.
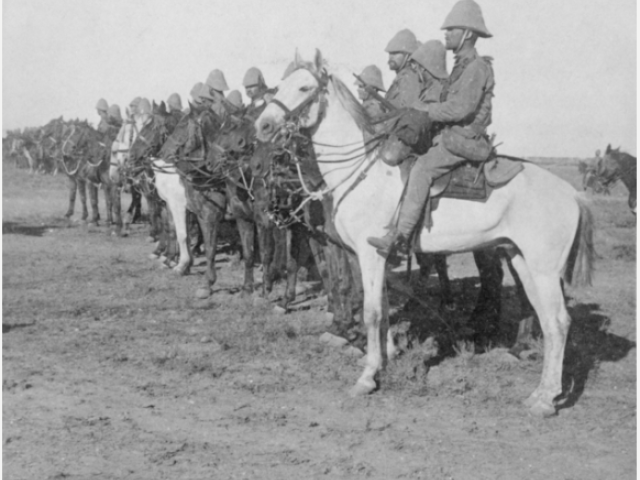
column 565, row 69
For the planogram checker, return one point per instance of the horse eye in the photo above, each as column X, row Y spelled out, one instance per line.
column 305, row 89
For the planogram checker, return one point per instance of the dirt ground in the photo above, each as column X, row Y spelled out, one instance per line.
column 113, row 369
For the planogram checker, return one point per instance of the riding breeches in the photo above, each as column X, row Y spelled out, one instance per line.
column 436, row 162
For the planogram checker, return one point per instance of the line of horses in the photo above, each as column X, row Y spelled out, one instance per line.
column 270, row 171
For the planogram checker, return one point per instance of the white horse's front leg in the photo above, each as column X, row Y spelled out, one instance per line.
column 372, row 266
column 172, row 192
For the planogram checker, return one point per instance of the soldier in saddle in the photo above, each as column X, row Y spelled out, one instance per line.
column 217, row 85
column 235, row 99
column 144, row 112
column 115, row 117
column 175, row 103
column 464, row 111
column 132, row 111
column 371, row 79
column 429, row 61
column 103, row 110
column 405, row 89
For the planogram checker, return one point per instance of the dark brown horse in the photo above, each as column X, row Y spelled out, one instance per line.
column 617, row 165
column 191, row 153
column 85, row 159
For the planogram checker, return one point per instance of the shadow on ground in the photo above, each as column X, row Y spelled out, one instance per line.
column 589, row 344
column 24, row 229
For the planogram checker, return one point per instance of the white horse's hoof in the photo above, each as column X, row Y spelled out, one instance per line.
column 178, row 269
column 174, row 265
column 531, row 400
column 543, row 409
column 153, row 256
column 362, row 388
column 203, row 293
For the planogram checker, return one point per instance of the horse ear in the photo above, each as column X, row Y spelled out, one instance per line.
column 318, row 61
column 163, row 107
column 297, row 60
column 598, row 153
column 608, row 149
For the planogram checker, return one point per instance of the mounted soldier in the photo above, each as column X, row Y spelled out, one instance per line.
column 257, row 90
column 217, row 85
column 133, row 108
column 175, row 103
column 235, row 99
column 103, row 110
column 429, row 61
column 114, row 116
column 464, row 111
column 371, row 80
column 405, row 89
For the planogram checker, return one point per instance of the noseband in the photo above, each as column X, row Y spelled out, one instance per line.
column 292, row 117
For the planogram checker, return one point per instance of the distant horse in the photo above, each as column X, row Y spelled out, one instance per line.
column 188, row 178
column 120, row 150
column 85, row 159
column 617, row 165
column 545, row 225
column 138, row 170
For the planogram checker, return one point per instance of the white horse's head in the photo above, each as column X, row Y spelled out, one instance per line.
column 298, row 99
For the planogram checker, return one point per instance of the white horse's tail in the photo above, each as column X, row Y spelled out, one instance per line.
column 579, row 268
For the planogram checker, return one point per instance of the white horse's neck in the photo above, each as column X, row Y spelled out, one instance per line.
column 338, row 139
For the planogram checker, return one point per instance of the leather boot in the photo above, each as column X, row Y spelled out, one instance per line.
column 386, row 244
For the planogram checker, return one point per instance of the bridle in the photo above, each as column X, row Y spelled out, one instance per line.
column 293, row 117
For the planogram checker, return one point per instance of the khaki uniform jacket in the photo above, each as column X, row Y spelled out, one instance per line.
column 405, row 89
column 468, row 101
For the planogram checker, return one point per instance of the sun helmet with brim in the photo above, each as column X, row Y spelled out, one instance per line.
column 466, row 14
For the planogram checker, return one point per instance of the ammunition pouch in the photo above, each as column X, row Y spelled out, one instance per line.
column 394, row 151
column 466, row 143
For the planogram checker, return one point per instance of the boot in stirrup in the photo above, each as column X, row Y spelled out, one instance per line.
column 386, row 244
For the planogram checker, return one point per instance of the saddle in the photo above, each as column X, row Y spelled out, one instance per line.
column 472, row 181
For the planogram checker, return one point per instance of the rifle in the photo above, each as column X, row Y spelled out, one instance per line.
column 374, row 93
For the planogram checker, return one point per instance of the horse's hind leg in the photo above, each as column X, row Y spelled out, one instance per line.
column 485, row 317
column 82, row 188
column 73, row 188
column 93, row 200
column 247, row 237
column 209, row 223
column 524, row 339
column 546, row 296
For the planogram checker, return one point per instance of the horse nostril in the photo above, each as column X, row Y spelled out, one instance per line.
column 267, row 126
column 240, row 143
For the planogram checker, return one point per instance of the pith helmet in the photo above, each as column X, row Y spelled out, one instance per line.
column 372, row 76
column 216, row 80
column 467, row 14
column 174, row 101
column 195, row 91
column 135, row 102
column 205, row 93
column 144, row 106
column 432, row 55
column 253, row 77
column 114, row 112
column 235, row 98
column 289, row 70
column 404, row 41
column 102, row 105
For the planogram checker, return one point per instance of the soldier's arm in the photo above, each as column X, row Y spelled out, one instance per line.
column 463, row 102
column 408, row 92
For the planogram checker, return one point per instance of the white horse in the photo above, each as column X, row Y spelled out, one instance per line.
column 119, row 157
column 540, row 216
